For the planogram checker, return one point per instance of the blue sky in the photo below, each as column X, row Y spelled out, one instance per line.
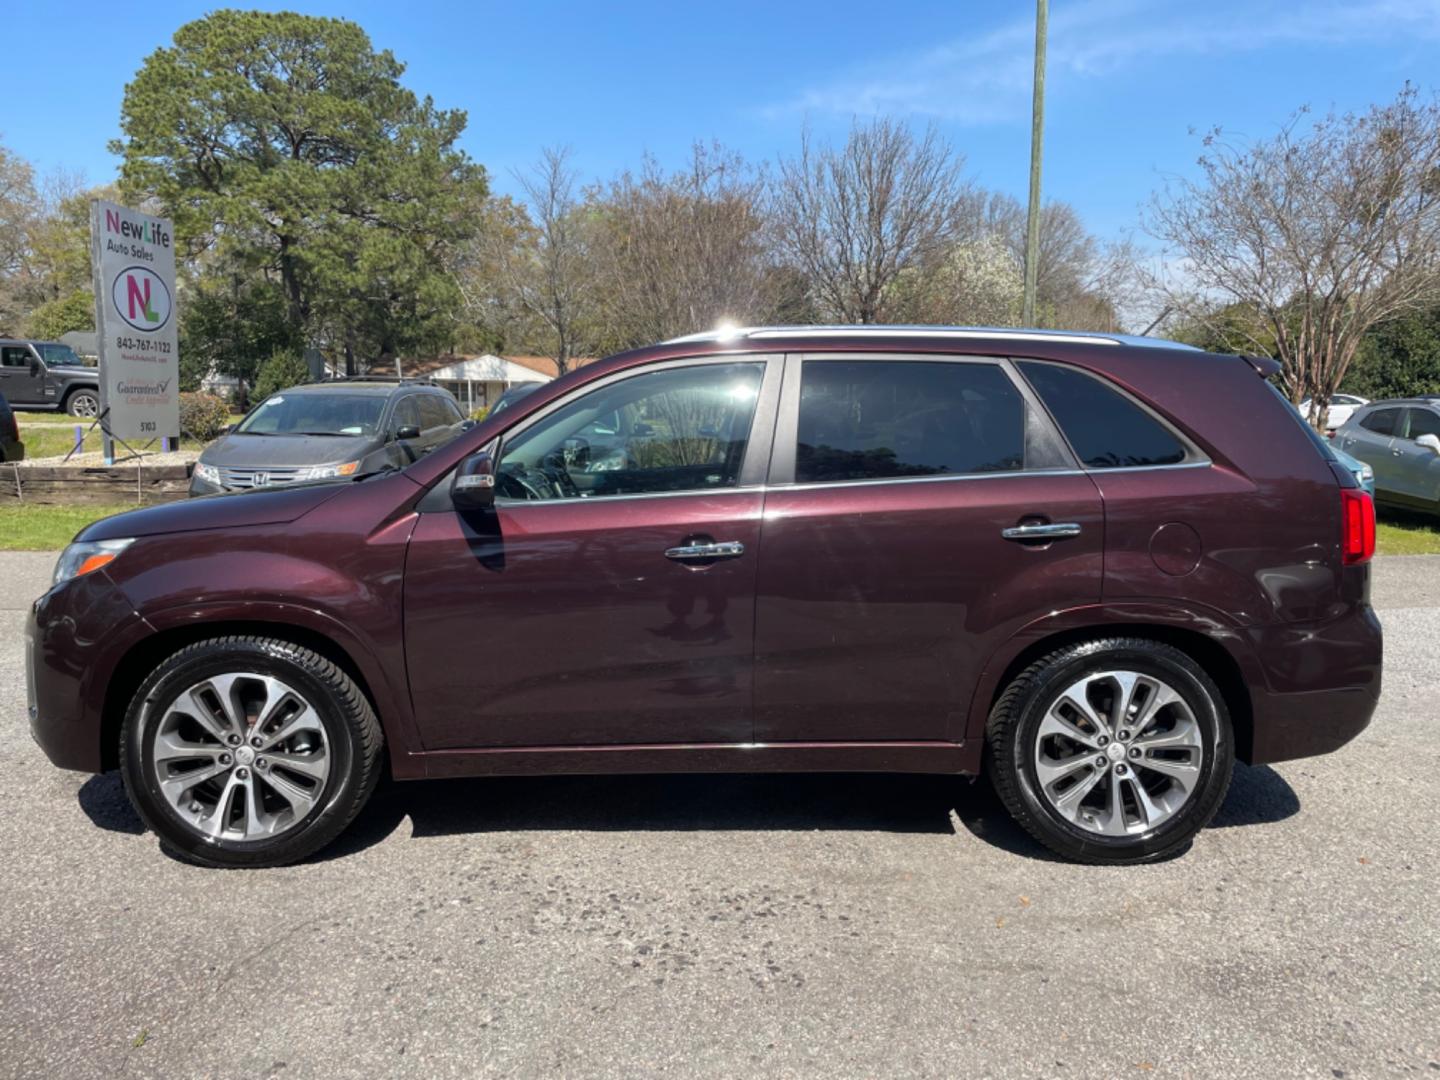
column 1130, row 81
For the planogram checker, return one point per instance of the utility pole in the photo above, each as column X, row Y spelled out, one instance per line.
column 1037, row 138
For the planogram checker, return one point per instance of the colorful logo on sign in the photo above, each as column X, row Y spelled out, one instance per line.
column 141, row 298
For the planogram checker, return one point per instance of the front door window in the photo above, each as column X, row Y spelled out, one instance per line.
column 680, row 429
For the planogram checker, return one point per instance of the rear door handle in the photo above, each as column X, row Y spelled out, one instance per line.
column 1039, row 531
column 722, row 549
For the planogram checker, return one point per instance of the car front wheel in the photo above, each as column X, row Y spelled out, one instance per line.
column 1112, row 751
column 249, row 751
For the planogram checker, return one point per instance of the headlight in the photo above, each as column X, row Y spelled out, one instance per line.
column 1366, row 473
column 327, row 472
column 78, row 560
column 208, row 473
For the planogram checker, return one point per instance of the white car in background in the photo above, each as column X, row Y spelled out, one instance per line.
column 1342, row 407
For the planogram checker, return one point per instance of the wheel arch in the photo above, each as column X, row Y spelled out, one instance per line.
column 149, row 652
column 1219, row 662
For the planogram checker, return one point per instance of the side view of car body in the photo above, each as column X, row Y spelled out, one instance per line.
column 48, row 375
column 1097, row 570
column 327, row 431
column 1400, row 440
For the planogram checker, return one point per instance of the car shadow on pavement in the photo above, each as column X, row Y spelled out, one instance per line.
column 684, row 803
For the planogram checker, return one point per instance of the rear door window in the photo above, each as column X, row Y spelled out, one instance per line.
column 1423, row 422
column 1381, row 421
column 874, row 419
column 1106, row 429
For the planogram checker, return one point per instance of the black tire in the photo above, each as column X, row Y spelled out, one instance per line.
column 1014, row 725
column 351, row 730
column 83, row 403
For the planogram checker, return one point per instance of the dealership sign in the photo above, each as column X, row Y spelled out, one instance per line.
column 133, row 257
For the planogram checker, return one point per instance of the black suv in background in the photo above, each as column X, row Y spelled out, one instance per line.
column 48, row 375
column 328, row 431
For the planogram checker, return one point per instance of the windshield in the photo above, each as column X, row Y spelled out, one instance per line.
column 313, row 413
column 55, row 355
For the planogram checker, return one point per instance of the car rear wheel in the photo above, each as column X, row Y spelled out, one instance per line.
column 84, row 404
column 1112, row 751
column 248, row 751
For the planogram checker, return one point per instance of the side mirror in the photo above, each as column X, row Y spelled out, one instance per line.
column 36, row 367
column 1430, row 442
column 409, row 431
column 474, row 485
column 229, row 429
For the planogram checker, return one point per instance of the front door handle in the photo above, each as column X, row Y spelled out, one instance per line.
column 1041, row 531
column 722, row 549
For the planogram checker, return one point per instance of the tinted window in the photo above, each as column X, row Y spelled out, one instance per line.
column 406, row 414
column 1381, row 421
column 1106, row 429
column 1423, row 422
column 681, row 429
column 311, row 413
column 434, row 412
column 869, row 419
column 15, row 356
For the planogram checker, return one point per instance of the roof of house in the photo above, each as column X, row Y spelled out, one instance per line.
column 486, row 367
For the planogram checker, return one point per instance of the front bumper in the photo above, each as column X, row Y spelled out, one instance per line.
column 75, row 637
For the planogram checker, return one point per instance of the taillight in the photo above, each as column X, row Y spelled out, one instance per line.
column 1358, row 513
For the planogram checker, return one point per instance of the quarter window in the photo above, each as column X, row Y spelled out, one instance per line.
column 1381, row 421
column 1106, row 429
column 678, row 429
column 874, row 419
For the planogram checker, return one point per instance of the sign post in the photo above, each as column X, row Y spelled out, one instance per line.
column 132, row 256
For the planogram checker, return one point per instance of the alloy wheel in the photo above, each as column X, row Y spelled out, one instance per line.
column 1118, row 753
column 241, row 757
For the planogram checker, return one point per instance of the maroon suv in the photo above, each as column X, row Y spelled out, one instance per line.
column 1098, row 569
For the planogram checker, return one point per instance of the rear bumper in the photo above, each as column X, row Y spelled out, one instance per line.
column 74, row 636
column 1322, row 686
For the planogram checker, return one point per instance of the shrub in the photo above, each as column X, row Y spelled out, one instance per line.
column 202, row 416
column 282, row 371
column 480, row 413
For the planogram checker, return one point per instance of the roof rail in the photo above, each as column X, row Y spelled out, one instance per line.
column 1084, row 337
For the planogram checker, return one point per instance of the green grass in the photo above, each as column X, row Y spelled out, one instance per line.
column 48, row 440
column 1401, row 533
column 31, row 527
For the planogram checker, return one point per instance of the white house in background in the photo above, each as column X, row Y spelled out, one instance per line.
column 476, row 381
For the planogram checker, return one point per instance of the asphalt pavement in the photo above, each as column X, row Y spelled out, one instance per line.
column 827, row 926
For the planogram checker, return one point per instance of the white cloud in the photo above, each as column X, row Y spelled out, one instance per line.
column 985, row 78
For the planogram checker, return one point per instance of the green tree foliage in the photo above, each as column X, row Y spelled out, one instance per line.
column 1400, row 358
column 283, row 370
column 229, row 324
column 286, row 142
column 73, row 311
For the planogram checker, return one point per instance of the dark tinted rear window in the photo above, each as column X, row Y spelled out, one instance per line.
column 871, row 419
column 1106, row 429
column 1423, row 422
column 1381, row 421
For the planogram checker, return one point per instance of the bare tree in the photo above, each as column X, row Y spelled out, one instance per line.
column 853, row 218
column 1323, row 231
column 681, row 252
column 546, row 270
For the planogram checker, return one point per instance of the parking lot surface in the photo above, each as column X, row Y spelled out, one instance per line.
column 727, row 926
